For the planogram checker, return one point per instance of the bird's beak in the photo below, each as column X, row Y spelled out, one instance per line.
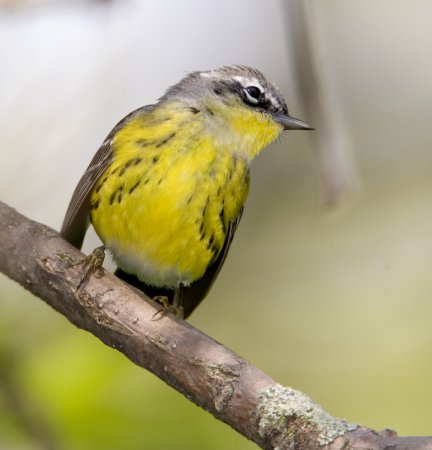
column 291, row 123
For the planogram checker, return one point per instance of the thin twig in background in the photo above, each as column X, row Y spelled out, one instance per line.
column 315, row 86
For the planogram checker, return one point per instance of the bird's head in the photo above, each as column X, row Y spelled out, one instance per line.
column 238, row 98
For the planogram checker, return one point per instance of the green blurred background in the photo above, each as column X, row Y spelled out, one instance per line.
column 336, row 302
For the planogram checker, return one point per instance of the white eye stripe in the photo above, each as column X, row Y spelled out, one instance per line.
column 246, row 82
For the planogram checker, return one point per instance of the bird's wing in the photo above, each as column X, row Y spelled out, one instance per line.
column 77, row 218
column 196, row 292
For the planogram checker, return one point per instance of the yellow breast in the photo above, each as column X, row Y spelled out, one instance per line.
column 164, row 204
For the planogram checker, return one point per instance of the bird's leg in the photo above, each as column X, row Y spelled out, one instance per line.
column 91, row 263
column 178, row 300
column 176, row 307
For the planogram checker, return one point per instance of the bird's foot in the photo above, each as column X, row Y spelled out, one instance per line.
column 91, row 264
column 166, row 307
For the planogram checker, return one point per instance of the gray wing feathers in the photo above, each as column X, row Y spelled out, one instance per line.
column 77, row 218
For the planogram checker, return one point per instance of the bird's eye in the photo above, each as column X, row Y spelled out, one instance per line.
column 253, row 93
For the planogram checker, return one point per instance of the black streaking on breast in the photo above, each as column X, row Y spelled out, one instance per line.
column 165, row 140
column 134, row 186
column 117, row 193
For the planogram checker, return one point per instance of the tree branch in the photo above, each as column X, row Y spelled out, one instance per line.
column 206, row 372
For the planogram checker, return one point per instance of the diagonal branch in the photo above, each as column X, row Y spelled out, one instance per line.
column 206, row 372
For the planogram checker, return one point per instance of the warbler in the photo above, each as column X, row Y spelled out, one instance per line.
column 166, row 189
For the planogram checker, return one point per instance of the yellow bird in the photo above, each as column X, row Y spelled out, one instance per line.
column 166, row 189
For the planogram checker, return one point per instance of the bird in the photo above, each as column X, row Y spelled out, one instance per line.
column 166, row 190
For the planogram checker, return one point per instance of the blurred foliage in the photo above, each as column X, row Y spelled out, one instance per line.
column 86, row 395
